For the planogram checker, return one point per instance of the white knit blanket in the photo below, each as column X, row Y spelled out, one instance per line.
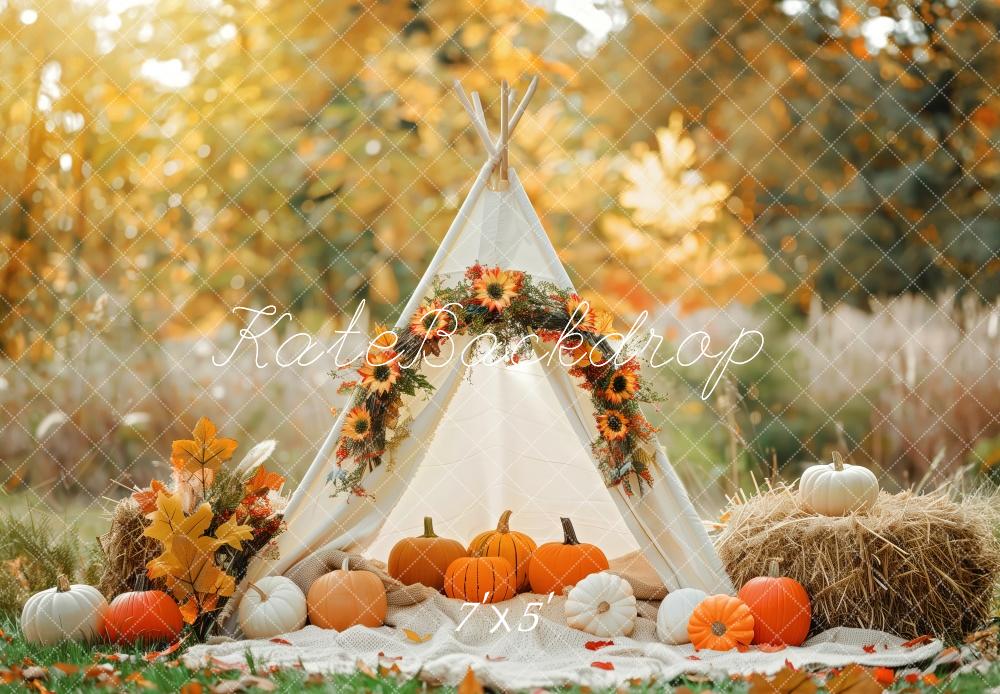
column 550, row 654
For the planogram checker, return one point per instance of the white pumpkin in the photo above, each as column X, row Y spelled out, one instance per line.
column 675, row 613
column 838, row 488
column 602, row 604
column 64, row 613
column 273, row 605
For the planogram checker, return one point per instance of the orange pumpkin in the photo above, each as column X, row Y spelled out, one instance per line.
column 508, row 544
column 425, row 558
column 344, row 598
column 480, row 579
column 721, row 623
column 556, row 565
column 780, row 608
column 148, row 615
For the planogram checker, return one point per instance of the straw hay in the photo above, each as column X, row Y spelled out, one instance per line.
column 912, row 565
column 126, row 551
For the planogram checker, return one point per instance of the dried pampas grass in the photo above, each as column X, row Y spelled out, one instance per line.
column 914, row 564
column 126, row 551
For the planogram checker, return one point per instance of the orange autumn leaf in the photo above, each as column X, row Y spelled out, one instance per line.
column 470, row 684
column 205, row 451
column 264, row 479
column 146, row 498
column 785, row 681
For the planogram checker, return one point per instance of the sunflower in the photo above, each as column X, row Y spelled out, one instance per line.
column 430, row 321
column 380, row 372
column 358, row 425
column 495, row 289
column 622, row 386
column 612, row 425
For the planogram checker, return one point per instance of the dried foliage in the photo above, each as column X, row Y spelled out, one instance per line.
column 126, row 551
column 912, row 565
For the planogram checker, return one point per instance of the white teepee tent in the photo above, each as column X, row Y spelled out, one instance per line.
column 490, row 438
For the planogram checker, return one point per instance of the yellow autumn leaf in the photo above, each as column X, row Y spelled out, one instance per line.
column 415, row 637
column 233, row 534
column 166, row 519
column 204, row 452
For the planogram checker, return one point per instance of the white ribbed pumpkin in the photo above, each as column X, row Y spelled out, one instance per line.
column 602, row 604
column 675, row 613
column 838, row 488
column 64, row 613
column 271, row 606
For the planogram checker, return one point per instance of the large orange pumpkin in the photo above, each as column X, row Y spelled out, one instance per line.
column 508, row 544
column 780, row 608
column 556, row 565
column 721, row 623
column 148, row 616
column 425, row 558
column 343, row 598
column 480, row 579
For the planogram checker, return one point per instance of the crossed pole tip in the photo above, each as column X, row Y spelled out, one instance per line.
column 497, row 149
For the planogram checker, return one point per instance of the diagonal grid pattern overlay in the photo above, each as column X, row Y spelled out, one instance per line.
column 293, row 401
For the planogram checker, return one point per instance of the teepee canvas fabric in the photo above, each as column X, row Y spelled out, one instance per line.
column 493, row 437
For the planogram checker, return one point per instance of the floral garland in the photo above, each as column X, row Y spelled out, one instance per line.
column 508, row 305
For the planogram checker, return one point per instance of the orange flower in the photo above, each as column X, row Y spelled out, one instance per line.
column 623, row 385
column 430, row 321
column 358, row 424
column 583, row 356
column 612, row 425
column 380, row 372
column 384, row 337
column 601, row 322
column 495, row 289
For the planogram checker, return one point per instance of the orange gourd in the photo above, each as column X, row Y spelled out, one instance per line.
column 556, row 565
column 147, row 616
column 721, row 623
column 508, row 544
column 425, row 558
column 344, row 598
column 780, row 608
column 480, row 579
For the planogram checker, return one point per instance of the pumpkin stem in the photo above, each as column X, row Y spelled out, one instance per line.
column 569, row 533
column 838, row 461
column 262, row 594
column 428, row 527
column 772, row 568
column 346, row 566
column 603, row 607
column 503, row 525
column 62, row 584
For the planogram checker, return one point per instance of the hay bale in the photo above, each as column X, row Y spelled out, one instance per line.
column 912, row 565
column 126, row 551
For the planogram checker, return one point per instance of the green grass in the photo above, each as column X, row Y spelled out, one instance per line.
column 168, row 675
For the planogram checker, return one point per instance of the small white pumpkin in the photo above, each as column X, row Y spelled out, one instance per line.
column 273, row 605
column 602, row 604
column 837, row 489
column 675, row 613
column 64, row 613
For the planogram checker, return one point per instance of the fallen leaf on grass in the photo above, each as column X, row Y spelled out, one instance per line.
column 316, row 679
column 785, row 681
column 853, row 679
column 33, row 672
column 363, row 668
column 192, row 688
column 66, row 668
column 597, row 645
column 470, row 684
column 243, row 684
column 390, row 658
column 138, row 680
column 600, row 665
column 415, row 637
column 156, row 655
